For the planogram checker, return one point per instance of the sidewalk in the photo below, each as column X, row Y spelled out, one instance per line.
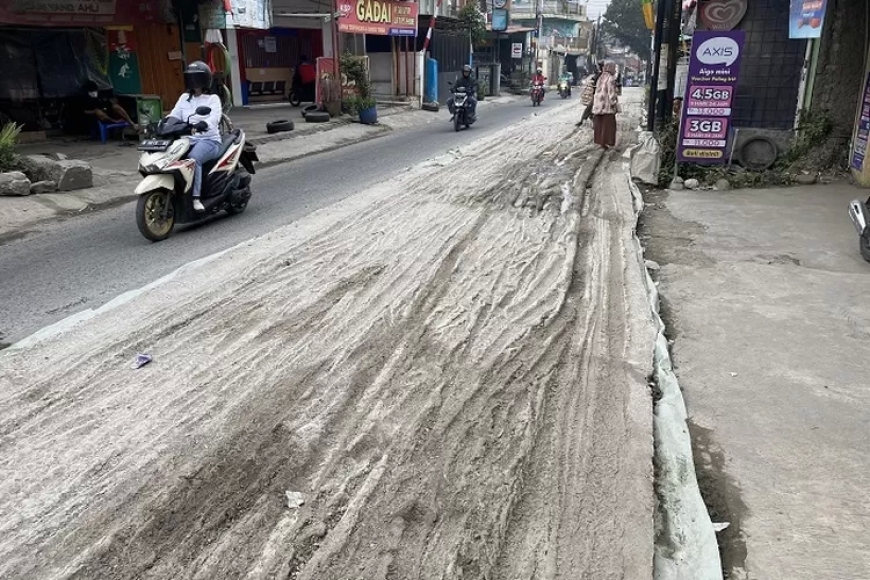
column 114, row 165
column 764, row 294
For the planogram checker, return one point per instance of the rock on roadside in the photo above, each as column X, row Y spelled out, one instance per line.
column 43, row 187
column 68, row 174
column 14, row 183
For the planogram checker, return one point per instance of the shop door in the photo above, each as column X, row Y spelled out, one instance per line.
column 160, row 66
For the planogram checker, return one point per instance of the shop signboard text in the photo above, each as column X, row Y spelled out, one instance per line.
column 378, row 17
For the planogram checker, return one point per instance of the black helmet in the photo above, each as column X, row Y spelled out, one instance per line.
column 197, row 75
column 466, row 70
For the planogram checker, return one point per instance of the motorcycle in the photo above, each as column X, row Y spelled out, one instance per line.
column 537, row 94
column 564, row 88
column 859, row 212
column 165, row 191
column 461, row 114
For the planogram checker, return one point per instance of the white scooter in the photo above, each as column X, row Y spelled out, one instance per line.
column 165, row 192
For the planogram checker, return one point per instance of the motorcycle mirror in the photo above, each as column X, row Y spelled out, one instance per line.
column 203, row 110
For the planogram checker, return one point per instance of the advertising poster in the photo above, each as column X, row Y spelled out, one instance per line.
column 806, row 18
column 714, row 68
column 378, row 17
column 862, row 135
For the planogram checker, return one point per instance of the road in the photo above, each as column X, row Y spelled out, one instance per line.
column 440, row 377
column 85, row 261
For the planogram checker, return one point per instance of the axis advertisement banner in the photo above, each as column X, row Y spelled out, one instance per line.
column 714, row 68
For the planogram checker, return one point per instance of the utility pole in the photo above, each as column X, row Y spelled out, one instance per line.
column 597, row 37
column 539, row 5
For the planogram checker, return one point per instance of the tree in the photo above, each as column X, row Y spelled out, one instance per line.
column 624, row 22
column 474, row 21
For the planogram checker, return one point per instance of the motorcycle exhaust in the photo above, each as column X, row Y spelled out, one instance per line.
column 860, row 216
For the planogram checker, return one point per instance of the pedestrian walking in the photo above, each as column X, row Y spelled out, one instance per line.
column 588, row 95
column 605, row 107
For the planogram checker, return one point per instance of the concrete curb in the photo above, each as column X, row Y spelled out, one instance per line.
column 686, row 546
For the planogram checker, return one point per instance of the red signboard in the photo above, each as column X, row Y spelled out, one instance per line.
column 83, row 12
column 378, row 17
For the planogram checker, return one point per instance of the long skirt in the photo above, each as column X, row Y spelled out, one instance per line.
column 604, row 130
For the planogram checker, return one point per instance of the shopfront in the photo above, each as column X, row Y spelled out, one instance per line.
column 49, row 51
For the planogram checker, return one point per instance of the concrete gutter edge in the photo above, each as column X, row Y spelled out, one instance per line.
column 685, row 546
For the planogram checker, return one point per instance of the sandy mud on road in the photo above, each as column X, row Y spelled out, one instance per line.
column 448, row 373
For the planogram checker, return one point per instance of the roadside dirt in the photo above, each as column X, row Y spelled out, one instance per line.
column 668, row 240
column 448, row 370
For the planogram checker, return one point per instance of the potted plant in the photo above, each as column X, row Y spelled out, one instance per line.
column 356, row 76
column 481, row 90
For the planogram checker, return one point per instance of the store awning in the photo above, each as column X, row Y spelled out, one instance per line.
column 512, row 29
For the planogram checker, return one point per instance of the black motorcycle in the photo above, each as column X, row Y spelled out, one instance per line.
column 460, row 107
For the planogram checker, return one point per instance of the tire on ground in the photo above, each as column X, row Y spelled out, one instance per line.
column 279, row 126
column 309, row 109
column 432, row 107
column 317, row 117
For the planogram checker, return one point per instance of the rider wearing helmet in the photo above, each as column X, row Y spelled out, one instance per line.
column 467, row 82
column 206, row 140
column 540, row 79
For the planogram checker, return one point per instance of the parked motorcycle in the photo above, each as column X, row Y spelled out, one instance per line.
column 564, row 89
column 165, row 191
column 461, row 114
column 537, row 94
column 859, row 212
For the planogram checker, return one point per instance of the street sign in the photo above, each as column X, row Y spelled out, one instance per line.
column 713, row 71
column 499, row 19
column 517, row 50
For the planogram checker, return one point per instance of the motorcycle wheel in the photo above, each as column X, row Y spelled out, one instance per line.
column 864, row 246
column 237, row 208
column 457, row 123
column 294, row 99
column 148, row 210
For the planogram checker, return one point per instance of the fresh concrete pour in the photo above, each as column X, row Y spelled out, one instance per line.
column 444, row 376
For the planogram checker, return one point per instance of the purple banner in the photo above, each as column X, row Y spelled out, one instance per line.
column 859, row 147
column 713, row 71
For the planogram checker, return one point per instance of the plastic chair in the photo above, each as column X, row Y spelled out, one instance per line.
column 104, row 129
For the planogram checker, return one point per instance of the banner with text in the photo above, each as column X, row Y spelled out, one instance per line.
column 84, row 12
column 378, row 17
column 714, row 68
column 806, row 18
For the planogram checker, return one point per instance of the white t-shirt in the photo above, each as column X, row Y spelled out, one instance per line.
column 186, row 108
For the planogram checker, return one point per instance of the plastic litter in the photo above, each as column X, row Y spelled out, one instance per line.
column 142, row 360
column 646, row 159
column 721, row 526
column 295, row 499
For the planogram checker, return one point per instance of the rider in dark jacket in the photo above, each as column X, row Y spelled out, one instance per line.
column 465, row 81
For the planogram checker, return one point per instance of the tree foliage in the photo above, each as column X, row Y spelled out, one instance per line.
column 474, row 21
column 623, row 21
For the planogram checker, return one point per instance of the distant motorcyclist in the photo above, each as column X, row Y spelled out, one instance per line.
column 539, row 79
column 465, row 81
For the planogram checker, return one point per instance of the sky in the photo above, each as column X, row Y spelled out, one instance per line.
column 596, row 7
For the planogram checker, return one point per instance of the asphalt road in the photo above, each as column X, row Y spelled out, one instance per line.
column 84, row 261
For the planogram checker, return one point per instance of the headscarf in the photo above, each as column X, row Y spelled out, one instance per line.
column 610, row 67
